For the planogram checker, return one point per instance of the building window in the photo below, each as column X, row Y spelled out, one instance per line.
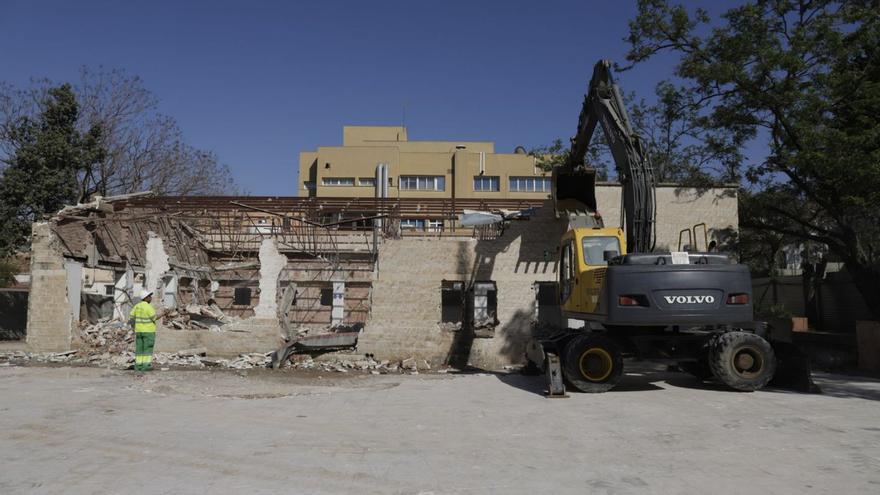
column 486, row 183
column 530, row 184
column 327, row 297
column 242, row 296
column 337, row 181
column 367, row 181
column 412, row 223
column 434, row 225
column 309, row 185
column 452, row 301
column 423, row 182
column 485, row 309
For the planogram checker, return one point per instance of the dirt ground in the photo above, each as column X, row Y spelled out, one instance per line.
column 88, row 430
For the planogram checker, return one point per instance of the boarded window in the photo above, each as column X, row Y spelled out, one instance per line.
column 451, row 301
column 242, row 296
column 326, row 297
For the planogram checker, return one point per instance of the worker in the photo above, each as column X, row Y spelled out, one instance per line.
column 143, row 320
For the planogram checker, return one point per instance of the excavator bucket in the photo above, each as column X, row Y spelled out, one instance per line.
column 574, row 191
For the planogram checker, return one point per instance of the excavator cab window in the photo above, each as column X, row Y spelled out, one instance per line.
column 595, row 247
column 566, row 271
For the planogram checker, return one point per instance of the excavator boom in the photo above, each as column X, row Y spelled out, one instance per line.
column 574, row 182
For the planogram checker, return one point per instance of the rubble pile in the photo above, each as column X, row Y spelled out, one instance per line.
column 107, row 335
column 197, row 316
column 366, row 364
column 196, row 358
column 110, row 344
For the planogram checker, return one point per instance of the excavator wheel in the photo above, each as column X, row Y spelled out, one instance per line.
column 592, row 363
column 742, row 361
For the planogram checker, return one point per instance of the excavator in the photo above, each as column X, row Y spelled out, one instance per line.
column 693, row 309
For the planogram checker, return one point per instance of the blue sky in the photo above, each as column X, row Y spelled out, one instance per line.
column 258, row 82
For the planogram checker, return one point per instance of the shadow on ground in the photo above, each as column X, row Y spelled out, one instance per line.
column 645, row 378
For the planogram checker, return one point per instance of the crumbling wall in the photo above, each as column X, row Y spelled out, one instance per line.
column 406, row 293
column 49, row 319
column 156, row 265
column 271, row 264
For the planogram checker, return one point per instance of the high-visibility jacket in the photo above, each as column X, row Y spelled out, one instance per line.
column 144, row 317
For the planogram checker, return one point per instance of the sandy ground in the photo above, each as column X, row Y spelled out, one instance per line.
column 87, row 430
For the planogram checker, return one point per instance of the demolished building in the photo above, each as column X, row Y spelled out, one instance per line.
column 238, row 275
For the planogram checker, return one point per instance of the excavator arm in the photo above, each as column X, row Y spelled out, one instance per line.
column 574, row 182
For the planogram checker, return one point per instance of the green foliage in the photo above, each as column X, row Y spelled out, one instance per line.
column 805, row 77
column 42, row 174
column 778, row 311
column 681, row 150
column 8, row 270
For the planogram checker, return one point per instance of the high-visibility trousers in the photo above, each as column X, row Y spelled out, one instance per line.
column 143, row 350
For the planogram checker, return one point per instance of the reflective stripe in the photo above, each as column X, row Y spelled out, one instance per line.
column 144, row 317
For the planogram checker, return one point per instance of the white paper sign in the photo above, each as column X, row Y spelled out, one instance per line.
column 680, row 258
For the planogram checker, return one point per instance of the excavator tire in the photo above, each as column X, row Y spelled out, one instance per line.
column 742, row 361
column 592, row 363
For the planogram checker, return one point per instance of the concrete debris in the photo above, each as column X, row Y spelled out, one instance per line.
column 448, row 326
column 107, row 336
column 198, row 351
column 111, row 345
column 196, row 358
column 198, row 316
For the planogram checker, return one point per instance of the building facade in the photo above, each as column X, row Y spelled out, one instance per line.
column 418, row 169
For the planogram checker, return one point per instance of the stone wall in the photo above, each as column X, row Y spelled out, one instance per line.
column 249, row 335
column 406, row 293
column 49, row 320
column 679, row 208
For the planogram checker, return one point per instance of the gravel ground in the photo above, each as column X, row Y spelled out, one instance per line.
column 84, row 430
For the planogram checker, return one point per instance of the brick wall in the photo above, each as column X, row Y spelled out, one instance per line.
column 49, row 320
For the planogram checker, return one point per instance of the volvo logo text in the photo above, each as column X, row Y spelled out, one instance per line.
column 689, row 299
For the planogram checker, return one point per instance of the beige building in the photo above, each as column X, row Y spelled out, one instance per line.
column 418, row 169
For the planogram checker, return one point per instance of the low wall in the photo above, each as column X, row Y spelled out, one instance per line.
column 250, row 335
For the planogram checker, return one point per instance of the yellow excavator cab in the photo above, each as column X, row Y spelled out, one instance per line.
column 584, row 255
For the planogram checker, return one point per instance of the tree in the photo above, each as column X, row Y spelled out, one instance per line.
column 805, row 76
column 556, row 154
column 681, row 149
column 145, row 150
column 41, row 177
